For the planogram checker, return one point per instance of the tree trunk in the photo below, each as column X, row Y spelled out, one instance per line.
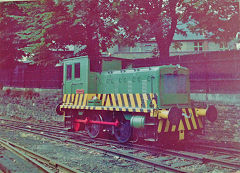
column 93, row 50
column 163, row 48
column 164, row 41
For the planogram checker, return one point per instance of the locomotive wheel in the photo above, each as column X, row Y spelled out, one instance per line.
column 94, row 130
column 123, row 131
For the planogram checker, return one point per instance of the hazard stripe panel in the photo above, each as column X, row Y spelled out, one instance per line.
column 106, row 108
column 138, row 102
column 132, row 103
column 192, row 123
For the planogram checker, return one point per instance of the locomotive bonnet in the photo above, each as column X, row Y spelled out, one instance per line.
column 149, row 102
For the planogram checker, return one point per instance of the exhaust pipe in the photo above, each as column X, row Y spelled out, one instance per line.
column 211, row 113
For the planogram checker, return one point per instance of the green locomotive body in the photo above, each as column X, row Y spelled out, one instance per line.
column 149, row 102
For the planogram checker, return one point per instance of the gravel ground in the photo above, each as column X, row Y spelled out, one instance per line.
column 227, row 126
column 42, row 107
column 82, row 159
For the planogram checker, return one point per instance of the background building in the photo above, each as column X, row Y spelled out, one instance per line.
column 181, row 45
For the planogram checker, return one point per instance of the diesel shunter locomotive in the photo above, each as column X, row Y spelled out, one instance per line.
column 147, row 103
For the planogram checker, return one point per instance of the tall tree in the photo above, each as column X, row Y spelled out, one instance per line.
column 9, row 41
column 52, row 25
column 46, row 30
column 161, row 19
column 97, row 19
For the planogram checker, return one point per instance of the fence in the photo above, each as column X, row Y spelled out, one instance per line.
column 31, row 76
column 216, row 72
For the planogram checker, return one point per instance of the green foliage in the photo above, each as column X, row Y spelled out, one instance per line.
column 161, row 19
column 42, row 29
column 52, row 25
column 144, row 20
column 39, row 18
column 177, row 45
column 217, row 19
column 10, row 43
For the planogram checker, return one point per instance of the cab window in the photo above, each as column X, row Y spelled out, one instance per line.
column 175, row 84
column 69, row 72
column 77, row 70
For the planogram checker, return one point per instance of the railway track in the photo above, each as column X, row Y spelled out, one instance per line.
column 160, row 158
column 42, row 163
column 207, row 145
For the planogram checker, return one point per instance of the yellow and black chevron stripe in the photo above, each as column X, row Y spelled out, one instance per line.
column 192, row 123
column 132, row 103
column 113, row 102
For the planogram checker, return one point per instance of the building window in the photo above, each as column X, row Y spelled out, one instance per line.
column 147, row 47
column 223, row 46
column 69, row 72
column 123, row 48
column 77, row 70
column 198, row 46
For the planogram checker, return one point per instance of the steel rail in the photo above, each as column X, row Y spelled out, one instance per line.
column 193, row 156
column 118, row 153
column 210, row 143
column 54, row 131
column 217, row 148
column 36, row 158
column 9, row 147
column 198, row 145
column 40, row 125
column 129, row 157
column 188, row 155
column 206, row 159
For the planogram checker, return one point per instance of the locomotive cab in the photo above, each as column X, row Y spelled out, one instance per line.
column 174, row 86
column 77, row 78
